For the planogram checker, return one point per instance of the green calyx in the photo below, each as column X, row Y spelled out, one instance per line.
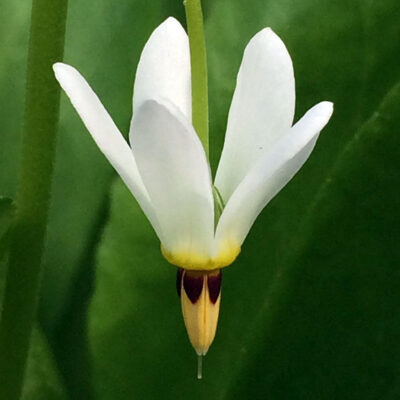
column 219, row 205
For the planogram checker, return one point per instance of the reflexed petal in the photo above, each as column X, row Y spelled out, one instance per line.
column 175, row 172
column 271, row 174
column 104, row 132
column 262, row 108
column 164, row 68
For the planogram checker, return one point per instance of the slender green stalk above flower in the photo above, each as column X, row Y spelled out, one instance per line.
column 198, row 62
column 40, row 124
column 165, row 165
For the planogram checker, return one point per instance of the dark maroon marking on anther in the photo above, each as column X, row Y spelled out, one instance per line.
column 214, row 282
column 193, row 284
column 179, row 274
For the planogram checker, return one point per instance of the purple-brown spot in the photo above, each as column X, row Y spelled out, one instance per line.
column 193, row 283
column 214, row 282
column 179, row 274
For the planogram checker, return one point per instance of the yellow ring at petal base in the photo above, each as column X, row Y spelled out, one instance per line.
column 200, row 262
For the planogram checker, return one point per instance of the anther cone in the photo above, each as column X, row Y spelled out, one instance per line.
column 200, row 293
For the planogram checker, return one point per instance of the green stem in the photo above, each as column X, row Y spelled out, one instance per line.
column 198, row 60
column 46, row 46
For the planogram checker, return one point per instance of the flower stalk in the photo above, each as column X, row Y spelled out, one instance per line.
column 198, row 61
column 46, row 45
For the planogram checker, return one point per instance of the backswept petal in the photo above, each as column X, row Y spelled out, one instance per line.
column 270, row 175
column 104, row 132
column 262, row 108
column 175, row 172
column 164, row 68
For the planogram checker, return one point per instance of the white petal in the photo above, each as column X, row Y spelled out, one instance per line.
column 271, row 174
column 174, row 169
column 104, row 132
column 262, row 108
column 164, row 68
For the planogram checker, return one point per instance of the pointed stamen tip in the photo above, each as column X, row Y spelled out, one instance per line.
column 199, row 366
column 214, row 285
column 193, row 283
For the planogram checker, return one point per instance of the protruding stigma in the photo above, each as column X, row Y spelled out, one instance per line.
column 199, row 367
column 200, row 293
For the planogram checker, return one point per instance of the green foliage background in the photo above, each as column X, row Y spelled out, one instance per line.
column 310, row 308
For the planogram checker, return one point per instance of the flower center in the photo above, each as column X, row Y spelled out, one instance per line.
column 195, row 261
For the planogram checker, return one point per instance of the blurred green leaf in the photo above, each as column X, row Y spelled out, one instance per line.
column 14, row 27
column 7, row 210
column 42, row 381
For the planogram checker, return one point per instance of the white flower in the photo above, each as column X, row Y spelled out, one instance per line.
column 165, row 166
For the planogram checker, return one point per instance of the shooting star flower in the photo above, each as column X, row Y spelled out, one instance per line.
column 166, row 168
